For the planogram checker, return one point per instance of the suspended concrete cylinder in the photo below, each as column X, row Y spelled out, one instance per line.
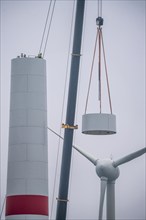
column 98, row 124
column 27, row 178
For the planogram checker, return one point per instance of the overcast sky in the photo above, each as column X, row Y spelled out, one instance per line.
column 22, row 24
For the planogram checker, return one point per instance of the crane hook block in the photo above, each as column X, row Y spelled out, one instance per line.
column 99, row 21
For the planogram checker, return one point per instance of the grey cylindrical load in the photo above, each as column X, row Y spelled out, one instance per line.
column 99, row 124
column 27, row 177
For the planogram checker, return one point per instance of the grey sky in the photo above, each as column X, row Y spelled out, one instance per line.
column 22, row 24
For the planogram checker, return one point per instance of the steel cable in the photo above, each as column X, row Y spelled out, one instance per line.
column 107, row 80
column 45, row 27
column 91, row 72
column 77, row 107
column 99, row 4
column 49, row 29
column 56, row 167
column 2, row 208
column 99, row 68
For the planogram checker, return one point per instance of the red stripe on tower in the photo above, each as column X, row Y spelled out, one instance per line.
column 27, row 204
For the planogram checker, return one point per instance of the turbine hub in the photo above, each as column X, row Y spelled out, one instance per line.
column 105, row 168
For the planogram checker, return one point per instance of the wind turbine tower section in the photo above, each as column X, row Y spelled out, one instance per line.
column 27, row 178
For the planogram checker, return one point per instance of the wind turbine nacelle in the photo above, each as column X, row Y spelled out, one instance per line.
column 105, row 168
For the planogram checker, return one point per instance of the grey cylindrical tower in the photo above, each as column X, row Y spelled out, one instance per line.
column 27, row 180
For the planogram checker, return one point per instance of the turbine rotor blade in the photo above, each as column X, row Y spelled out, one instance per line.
column 102, row 195
column 88, row 156
column 129, row 157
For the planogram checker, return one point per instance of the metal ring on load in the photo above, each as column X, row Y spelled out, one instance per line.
column 98, row 124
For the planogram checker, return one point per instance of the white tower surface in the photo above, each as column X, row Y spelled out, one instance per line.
column 27, row 180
